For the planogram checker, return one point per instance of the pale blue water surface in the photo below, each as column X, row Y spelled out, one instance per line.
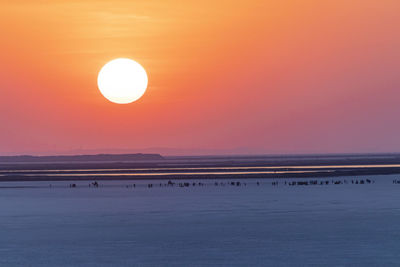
column 331, row 225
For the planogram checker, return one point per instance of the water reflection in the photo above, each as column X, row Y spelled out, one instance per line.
column 215, row 168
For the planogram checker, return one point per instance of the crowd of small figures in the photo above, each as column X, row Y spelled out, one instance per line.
column 230, row 183
column 327, row 182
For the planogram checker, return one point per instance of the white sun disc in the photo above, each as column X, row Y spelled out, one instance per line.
column 122, row 81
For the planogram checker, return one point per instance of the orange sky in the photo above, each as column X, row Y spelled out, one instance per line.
column 232, row 76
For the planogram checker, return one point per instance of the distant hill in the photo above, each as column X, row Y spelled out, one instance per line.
column 75, row 158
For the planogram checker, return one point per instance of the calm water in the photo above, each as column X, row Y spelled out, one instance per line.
column 333, row 225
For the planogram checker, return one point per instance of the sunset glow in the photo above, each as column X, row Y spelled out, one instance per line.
column 250, row 77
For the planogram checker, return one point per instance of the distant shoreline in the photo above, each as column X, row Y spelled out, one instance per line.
column 215, row 167
column 79, row 158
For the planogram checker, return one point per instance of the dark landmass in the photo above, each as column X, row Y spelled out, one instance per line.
column 80, row 158
column 145, row 166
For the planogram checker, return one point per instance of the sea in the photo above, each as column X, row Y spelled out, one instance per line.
column 209, row 222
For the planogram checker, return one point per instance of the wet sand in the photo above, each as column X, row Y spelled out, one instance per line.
column 267, row 225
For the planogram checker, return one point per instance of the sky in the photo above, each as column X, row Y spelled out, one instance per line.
column 251, row 77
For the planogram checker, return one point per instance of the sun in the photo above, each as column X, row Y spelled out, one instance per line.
column 122, row 81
